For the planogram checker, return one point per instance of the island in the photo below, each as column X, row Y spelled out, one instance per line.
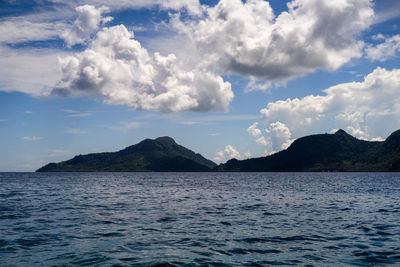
column 162, row 154
column 338, row 152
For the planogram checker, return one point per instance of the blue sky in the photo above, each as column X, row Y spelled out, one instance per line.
column 224, row 78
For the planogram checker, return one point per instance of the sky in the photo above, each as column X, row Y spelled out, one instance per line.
column 224, row 78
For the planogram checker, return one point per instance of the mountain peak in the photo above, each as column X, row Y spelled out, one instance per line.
column 327, row 152
column 393, row 140
column 341, row 132
column 160, row 154
column 395, row 134
column 165, row 139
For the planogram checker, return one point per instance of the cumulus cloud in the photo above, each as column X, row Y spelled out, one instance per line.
column 116, row 67
column 248, row 39
column 244, row 38
column 378, row 37
column 368, row 109
column 50, row 24
column 192, row 6
column 253, row 130
column 261, row 140
column 228, row 153
column 88, row 21
column 279, row 136
column 256, row 85
column 384, row 51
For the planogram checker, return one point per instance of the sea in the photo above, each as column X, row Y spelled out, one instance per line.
column 199, row 219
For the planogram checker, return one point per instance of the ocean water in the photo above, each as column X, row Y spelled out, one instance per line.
column 199, row 219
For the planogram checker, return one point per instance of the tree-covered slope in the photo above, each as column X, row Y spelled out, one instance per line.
column 326, row 152
column 161, row 154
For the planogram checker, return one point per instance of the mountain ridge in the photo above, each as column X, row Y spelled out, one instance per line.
column 326, row 152
column 314, row 153
column 160, row 154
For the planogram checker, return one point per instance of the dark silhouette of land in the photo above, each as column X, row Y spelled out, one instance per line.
column 339, row 152
column 159, row 155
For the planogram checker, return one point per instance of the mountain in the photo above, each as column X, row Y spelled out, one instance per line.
column 322, row 152
column 161, row 154
column 326, row 152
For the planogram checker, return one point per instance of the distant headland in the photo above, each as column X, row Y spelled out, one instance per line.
column 338, row 152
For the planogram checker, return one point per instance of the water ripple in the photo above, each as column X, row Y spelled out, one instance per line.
column 183, row 219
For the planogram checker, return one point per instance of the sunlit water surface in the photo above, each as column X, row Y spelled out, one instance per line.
column 199, row 219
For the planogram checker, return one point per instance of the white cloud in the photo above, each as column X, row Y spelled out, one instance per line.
column 279, row 136
column 192, row 6
column 248, row 39
column 368, row 109
column 88, row 22
column 231, row 152
column 40, row 25
column 3, row 120
column 247, row 155
column 50, row 24
column 17, row 30
column 116, row 67
column 228, row 153
column 31, row 138
column 388, row 9
column 31, row 71
column 255, row 85
column 245, row 38
column 378, row 37
column 384, row 51
column 219, row 156
column 261, row 140
column 253, row 130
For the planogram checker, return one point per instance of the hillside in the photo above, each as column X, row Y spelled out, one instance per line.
column 326, row 152
column 339, row 152
column 161, row 154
